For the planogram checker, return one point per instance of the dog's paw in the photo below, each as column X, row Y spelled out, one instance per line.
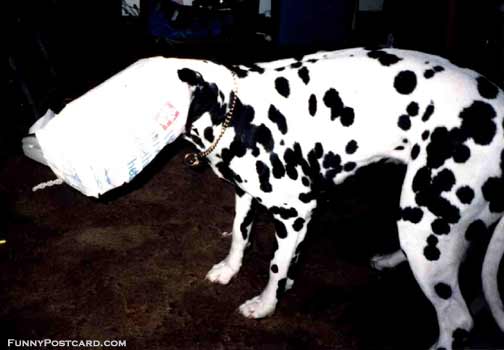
column 387, row 261
column 226, row 234
column 257, row 308
column 379, row 263
column 221, row 273
column 289, row 284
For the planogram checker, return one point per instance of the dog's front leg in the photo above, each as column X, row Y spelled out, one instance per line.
column 244, row 214
column 290, row 232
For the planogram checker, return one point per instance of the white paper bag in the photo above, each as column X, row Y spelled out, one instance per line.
column 106, row 137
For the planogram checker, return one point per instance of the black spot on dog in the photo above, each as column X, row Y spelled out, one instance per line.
column 461, row 154
column 255, row 68
column 284, row 213
column 274, row 268
column 227, row 173
column 429, row 73
column 289, row 158
column 404, row 122
column 296, row 64
column 263, row 136
column 332, row 161
column 282, row 86
column 440, row 227
column 347, row 116
column 264, row 176
column 412, row 109
column 298, row 224
column 412, row 214
column 280, row 229
column 312, row 105
column 318, row 150
column 444, row 180
column 277, row 165
column 422, row 179
column 425, row 135
column 304, row 74
column 443, row 290
column 190, row 76
column 431, row 251
column 240, row 72
column 405, row 82
column 486, row 89
column 247, row 221
column 442, row 146
column 460, row 337
column 428, row 112
column 477, row 122
column 333, row 101
column 385, row 58
column 238, row 178
column 305, row 181
column 197, row 140
column 313, row 160
column 307, row 197
column 239, row 192
column 351, row 147
column 399, row 148
column 493, row 192
column 465, row 194
column 429, row 193
column 279, row 69
column 476, row 229
column 293, row 157
column 415, row 150
column 281, row 288
column 208, row 133
column 278, row 118
column 349, row 166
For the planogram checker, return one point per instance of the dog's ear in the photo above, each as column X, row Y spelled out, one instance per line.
column 205, row 97
column 190, row 77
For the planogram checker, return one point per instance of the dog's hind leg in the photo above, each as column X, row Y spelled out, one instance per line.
column 291, row 226
column 244, row 214
column 435, row 254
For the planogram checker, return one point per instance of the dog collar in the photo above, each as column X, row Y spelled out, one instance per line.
column 193, row 159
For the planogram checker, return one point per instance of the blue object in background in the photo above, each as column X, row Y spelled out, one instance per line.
column 314, row 23
column 172, row 21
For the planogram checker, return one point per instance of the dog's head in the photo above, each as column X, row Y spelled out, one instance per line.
column 210, row 86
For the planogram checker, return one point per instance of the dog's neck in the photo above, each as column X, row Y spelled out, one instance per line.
column 212, row 88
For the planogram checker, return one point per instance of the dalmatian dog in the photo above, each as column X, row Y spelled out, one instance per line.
column 282, row 131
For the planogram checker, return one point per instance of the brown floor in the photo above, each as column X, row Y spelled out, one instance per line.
column 131, row 266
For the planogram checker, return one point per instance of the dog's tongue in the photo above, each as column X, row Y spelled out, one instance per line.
column 106, row 137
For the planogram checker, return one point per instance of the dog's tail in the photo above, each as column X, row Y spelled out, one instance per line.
column 493, row 256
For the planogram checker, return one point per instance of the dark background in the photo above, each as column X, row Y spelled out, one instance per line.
column 131, row 265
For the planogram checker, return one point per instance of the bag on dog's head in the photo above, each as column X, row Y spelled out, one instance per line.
column 104, row 138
